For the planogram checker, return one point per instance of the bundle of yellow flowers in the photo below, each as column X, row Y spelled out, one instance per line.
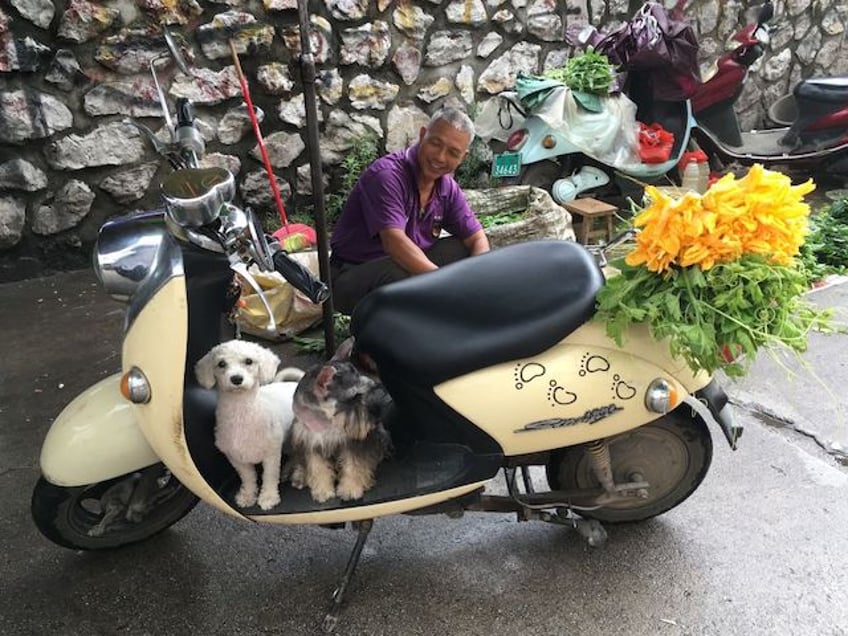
column 716, row 274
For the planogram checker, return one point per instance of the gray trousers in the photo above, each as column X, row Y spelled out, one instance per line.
column 352, row 281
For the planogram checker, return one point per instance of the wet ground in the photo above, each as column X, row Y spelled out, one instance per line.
column 758, row 549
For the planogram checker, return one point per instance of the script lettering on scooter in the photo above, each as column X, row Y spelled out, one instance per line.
column 592, row 416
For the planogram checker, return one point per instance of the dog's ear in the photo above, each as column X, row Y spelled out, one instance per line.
column 268, row 363
column 204, row 370
column 322, row 381
column 344, row 350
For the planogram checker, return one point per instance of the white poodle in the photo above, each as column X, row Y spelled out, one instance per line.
column 253, row 415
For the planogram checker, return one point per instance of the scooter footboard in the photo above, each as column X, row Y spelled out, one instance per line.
column 95, row 438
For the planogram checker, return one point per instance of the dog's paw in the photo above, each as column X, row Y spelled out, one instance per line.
column 322, row 494
column 268, row 500
column 353, row 487
column 298, row 477
column 246, row 498
column 348, row 491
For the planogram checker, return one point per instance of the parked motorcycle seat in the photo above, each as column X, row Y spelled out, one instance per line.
column 508, row 304
column 830, row 90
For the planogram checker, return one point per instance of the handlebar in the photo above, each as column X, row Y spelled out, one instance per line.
column 600, row 251
column 238, row 230
column 300, row 277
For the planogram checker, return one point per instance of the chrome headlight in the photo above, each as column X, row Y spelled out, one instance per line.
column 661, row 396
column 135, row 387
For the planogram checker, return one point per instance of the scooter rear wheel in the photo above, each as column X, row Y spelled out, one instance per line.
column 672, row 453
column 74, row 517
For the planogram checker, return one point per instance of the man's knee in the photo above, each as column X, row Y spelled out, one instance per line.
column 447, row 250
column 352, row 283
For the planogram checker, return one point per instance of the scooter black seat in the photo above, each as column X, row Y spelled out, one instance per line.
column 829, row 90
column 504, row 305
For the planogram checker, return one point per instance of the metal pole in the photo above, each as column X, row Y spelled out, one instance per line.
column 307, row 74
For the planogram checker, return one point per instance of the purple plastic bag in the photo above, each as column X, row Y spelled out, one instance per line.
column 657, row 40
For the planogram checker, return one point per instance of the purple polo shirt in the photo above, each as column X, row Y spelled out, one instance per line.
column 386, row 196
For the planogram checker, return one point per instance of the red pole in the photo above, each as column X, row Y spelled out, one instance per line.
column 245, row 91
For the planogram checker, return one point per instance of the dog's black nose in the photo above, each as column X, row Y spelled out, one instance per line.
column 236, row 379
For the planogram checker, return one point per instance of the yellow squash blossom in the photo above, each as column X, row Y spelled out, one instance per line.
column 761, row 213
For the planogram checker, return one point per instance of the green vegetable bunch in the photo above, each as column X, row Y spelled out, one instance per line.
column 714, row 319
column 589, row 72
column 502, row 218
column 316, row 345
column 826, row 248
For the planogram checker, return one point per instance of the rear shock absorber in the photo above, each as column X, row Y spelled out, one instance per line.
column 599, row 460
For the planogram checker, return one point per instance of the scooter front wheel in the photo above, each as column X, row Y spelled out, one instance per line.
column 672, row 454
column 113, row 513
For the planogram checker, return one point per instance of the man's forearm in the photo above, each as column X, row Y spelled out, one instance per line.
column 477, row 243
column 412, row 262
column 406, row 254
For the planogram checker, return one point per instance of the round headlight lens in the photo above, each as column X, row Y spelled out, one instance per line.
column 661, row 396
column 135, row 387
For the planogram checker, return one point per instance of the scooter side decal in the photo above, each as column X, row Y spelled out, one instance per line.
column 592, row 416
column 593, row 364
column 560, row 395
column 517, row 395
column 525, row 373
column 621, row 389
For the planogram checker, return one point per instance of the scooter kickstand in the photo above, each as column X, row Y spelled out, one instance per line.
column 332, row 617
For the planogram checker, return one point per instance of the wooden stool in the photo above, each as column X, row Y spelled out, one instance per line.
column 590, row 209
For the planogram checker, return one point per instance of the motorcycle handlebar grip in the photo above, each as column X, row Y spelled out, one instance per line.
column 185, row 112
column 301, row 278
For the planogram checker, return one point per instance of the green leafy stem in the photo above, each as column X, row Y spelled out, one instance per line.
column 716, row 319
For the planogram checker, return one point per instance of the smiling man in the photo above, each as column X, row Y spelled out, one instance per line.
column 391, row 225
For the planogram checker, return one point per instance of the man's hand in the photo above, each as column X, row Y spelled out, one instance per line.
column 405, row 253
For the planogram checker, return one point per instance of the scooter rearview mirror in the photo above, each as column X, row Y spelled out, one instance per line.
column 174, row 50
column 177, row 56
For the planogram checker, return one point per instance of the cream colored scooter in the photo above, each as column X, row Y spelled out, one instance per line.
column 493, row 363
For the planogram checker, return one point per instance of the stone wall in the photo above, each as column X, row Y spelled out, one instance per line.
column 71, row 71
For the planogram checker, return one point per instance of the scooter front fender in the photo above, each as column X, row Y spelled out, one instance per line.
column 96, row 437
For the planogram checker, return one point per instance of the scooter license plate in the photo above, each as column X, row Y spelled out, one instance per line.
column 506, row 164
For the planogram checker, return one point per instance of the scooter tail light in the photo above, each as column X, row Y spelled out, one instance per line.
column 135, row 387
column 661, row 396
column 516, row 139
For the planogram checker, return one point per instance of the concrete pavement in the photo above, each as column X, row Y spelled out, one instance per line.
column 758, row 549
column 806, row 394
